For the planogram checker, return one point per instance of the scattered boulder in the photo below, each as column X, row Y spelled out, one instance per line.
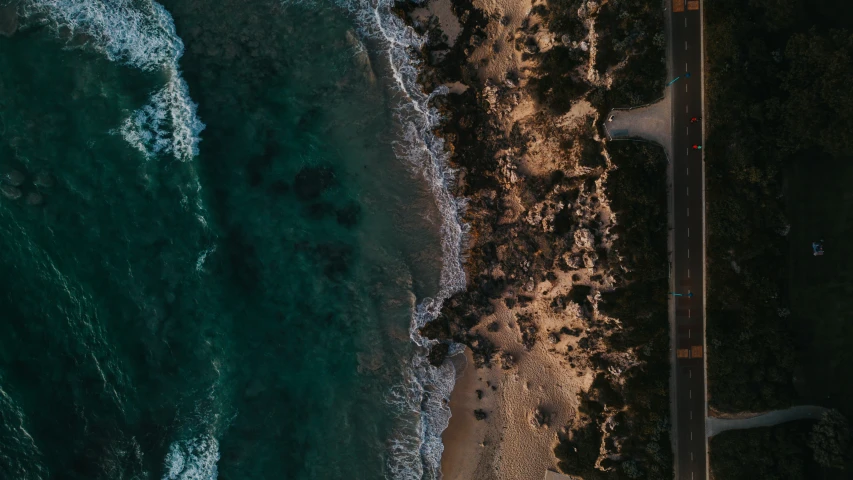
column 43, row 180
column 480, row 414
column 540, row 418
column 10, row 192
column 584, row 239
column 507, row 360
column 13, row 178
column 34, row 198
column 311, row 182
column 437, row 354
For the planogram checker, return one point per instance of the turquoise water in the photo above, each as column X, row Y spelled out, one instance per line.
column 220, row 222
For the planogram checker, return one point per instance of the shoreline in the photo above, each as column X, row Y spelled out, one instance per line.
column 464, row 435
column 549, row 311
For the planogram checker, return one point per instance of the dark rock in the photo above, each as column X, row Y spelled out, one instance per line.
column 34, row 198
column 245, row 265
column 480, row 414
column 528, row 330
column 319, row 210
column 510, row 302
column 558, row 304
column 311, row 182
column 43, row 180
column 493, row 327
column 335, row 257
column 13, row 178
column 260, row 164
column 492, row 287
column 479, row 394
column 540, row 418
column 10, row 192
column 438, row 353
column 279, row 187
column 350, row 215
column 507, row 360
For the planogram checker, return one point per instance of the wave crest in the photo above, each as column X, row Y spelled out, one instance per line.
column 421, row 402
column 140, row 33
column 193, row 459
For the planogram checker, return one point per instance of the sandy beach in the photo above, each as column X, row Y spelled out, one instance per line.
column 541, row 387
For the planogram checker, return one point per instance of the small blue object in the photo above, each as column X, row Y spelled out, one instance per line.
column 817, row 248
column 687, row 75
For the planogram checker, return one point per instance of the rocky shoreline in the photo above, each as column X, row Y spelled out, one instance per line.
column 555, row 282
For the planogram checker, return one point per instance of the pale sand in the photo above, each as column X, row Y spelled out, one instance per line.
column 547, row 379
column 509, row 444
column 465, row 434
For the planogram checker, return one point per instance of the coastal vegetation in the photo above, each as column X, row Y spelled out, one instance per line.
column 637, row 190
column 778, row 104
column 794, row 450
column 777, row 453
column 630, row 49
column 778, row 173
column 625, row 411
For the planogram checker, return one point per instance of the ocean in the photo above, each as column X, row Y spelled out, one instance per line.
column 222, row 223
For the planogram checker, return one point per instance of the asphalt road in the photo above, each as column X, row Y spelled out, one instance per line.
column 688, row 246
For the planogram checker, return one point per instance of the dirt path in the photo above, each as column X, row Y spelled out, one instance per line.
column 717, row 425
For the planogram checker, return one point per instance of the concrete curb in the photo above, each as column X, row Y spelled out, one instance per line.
column 670, row 245
column 704, row 242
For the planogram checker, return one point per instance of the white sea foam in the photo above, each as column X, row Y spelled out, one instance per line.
column 168, row 124
column 193, row 459
column 421, row 400
column 140, row 33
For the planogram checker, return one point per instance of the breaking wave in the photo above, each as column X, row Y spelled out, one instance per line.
column 193, row 459
column 421, row 401
column 139, row 33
